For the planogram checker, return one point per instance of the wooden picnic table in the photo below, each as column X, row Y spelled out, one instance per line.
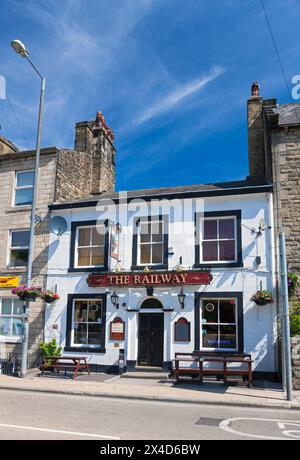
column 65, row 362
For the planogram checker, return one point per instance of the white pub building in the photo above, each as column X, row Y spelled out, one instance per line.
column 159, row 271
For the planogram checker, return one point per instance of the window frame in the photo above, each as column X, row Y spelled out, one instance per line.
column 90, row 227
column 10, row 247
column 218, row 324
column 73, row 266
column 199, row 226
column 136, row 263
column 84, row 345
column 70, row 346
column 10, row 337
column 24, row 187
column 239, row 318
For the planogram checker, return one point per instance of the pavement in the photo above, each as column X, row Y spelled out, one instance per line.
column 262, row 395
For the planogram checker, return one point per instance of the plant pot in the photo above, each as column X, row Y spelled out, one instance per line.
column 49, row 299
column 28, row 297
column 261, row 302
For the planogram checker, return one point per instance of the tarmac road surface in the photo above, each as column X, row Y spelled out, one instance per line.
column 26, row 415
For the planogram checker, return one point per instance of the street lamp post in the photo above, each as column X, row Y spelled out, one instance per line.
column 20, row 49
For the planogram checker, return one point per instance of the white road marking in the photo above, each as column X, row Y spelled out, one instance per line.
column 48, row 430
column 224, row 425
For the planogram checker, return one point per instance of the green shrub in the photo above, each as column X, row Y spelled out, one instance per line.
column 50, row 349
column 295, row 324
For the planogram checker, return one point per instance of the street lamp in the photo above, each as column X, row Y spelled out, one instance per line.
column 21, row 49
column 115, row 299
column 181, row 297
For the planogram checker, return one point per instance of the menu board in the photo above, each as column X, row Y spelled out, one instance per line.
column 182, row 329
column 117, row 329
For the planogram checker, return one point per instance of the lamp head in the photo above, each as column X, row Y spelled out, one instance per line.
column 19, row 48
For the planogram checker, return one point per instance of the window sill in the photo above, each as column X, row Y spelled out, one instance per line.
column 16, row 269
column 87, row 270
column 7, row 339
column 19, row 208
column 85, row 349
column 219, row 265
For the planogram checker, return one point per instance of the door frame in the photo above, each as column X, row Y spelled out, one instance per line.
column 162, row 334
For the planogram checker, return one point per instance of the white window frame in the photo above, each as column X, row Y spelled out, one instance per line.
column 91, row 246
column 218, row 299
column 10, row 248
column 202, row 240
column 23, row 187
column 11, row 337
column 139, row 243
column 86, row 345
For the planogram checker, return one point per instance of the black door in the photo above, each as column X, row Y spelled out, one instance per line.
column 151, row 329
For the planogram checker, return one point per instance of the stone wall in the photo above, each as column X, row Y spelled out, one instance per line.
column 73, row 176
column 286, row 174
column 295, row 341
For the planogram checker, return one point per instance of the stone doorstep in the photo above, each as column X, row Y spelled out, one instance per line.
column 146, row 372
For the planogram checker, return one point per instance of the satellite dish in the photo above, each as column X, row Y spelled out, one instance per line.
column 58, row 225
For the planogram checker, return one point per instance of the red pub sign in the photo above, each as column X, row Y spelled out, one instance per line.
column 150, row 279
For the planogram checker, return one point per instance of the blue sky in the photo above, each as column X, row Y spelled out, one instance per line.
column 172, row 78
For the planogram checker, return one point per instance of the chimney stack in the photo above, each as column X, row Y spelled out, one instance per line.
column 97, row 140
column 256, row 150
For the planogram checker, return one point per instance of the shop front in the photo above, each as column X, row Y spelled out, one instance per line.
column 146, row 308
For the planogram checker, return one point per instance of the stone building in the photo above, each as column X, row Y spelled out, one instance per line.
column 274, row 156
column 64, row 175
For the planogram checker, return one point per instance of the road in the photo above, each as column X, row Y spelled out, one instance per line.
column 26, row 415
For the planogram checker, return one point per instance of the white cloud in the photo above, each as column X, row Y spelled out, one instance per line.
column 177, row 96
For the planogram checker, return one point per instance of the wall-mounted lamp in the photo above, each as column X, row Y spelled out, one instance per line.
column 181, row 297
column 115, row 299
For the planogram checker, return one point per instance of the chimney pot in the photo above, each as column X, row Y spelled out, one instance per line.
column 255, row 89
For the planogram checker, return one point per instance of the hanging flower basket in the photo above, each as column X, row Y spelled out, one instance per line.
column 50, row 296
column 27, row 294
column 262, row 298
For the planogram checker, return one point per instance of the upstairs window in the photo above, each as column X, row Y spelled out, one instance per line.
column 151, row 243
column 18, row 248
column 90, row 246
column 24, row 188
column 219, row 240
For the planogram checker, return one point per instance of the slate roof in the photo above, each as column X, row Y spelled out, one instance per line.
column 222, row 188
column 288, row 114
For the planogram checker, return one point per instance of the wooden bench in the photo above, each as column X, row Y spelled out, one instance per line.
column 189, row 371
column 73, row 363
column 222, row 372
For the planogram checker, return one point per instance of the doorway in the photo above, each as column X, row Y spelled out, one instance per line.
column 150, row 339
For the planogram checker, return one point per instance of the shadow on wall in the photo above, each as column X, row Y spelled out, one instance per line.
column 263, row 349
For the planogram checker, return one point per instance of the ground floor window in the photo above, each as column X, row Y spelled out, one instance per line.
column 86, row 321
column 11, row 310
column 219, row 328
